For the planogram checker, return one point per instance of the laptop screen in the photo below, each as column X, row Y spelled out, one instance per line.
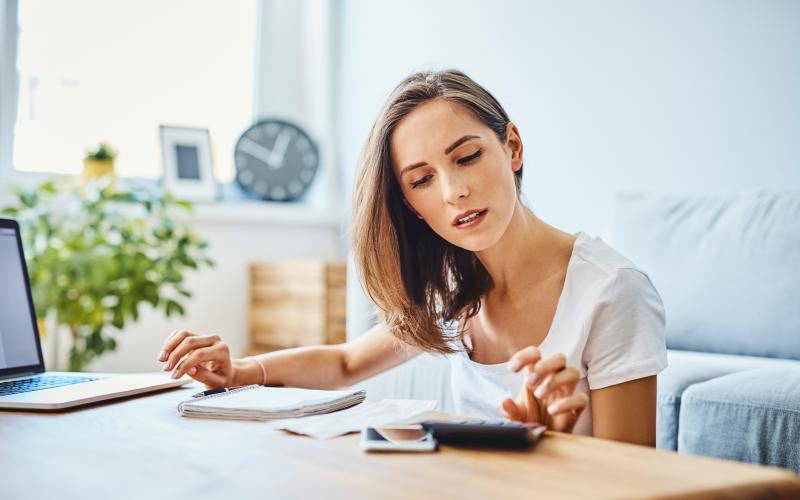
column 18, row 346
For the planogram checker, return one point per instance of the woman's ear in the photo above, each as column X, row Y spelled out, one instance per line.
column 514, row 144
column 411, row 208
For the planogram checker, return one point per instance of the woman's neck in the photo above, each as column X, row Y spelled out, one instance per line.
column 529, row 252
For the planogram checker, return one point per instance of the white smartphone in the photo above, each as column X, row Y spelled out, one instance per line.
column 397, row 438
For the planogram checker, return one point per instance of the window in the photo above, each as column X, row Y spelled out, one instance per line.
column 111, row 71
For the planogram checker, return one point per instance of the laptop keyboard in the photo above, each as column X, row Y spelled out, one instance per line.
column 40, row 382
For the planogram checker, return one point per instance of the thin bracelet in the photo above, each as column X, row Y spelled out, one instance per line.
column 263, row 370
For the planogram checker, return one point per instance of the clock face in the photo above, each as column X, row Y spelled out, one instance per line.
column 275, row 160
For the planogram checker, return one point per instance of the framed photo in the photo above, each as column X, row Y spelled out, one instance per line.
column 186, row 154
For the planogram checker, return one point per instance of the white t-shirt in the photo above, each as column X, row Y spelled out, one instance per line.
column 609, row 323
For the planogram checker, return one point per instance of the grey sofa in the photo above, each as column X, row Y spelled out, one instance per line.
column 728, row 270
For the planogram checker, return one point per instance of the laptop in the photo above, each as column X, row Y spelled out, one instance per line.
column 24, row 383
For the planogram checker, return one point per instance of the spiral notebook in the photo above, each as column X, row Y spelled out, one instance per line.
column 256, row 402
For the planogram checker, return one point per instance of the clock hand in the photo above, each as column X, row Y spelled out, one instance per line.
column 258, row 151
column 281, row 143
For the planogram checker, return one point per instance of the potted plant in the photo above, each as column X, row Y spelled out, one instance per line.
column 99, row 162
column 96, row 255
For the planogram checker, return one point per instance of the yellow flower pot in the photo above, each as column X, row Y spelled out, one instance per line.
column 95, row 169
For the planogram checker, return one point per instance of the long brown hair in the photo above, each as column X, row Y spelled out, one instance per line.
column 420, row 282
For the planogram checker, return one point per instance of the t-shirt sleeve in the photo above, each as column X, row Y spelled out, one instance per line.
column 626, row 339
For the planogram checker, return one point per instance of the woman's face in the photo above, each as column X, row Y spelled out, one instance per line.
column 456, row 174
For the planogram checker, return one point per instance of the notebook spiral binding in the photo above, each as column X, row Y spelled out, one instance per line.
column 212, row 396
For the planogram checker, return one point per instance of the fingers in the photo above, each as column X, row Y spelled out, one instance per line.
column 563, row 381
column 172, row 340
column 199, row 355
column 210, row 379
column 527, row 356
column 545, row 367
column 530, row 404
column 548, row 381
column 574, row 403
column 524, row 408
column 511, row 411
column 188, row 344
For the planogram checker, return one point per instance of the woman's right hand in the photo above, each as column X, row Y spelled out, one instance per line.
column 206, row 359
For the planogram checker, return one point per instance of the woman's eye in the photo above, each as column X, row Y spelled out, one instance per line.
column 469, row 159
column 421, row 181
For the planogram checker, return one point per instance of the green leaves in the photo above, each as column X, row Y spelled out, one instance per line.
column 174, row 307
column 103, row 152
column 96, row 254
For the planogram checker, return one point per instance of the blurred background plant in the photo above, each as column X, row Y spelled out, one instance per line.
column 97, row 254
column 103, row 151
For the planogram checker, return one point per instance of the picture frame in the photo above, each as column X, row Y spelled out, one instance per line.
column 188, row 168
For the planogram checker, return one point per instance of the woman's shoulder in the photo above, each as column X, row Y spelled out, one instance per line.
column 594, row 251
column 617, row 289
column 596, row 262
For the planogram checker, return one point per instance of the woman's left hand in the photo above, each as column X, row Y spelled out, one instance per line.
column 548, row 394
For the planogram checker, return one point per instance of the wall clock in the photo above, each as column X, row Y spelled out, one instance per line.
column 275, row 160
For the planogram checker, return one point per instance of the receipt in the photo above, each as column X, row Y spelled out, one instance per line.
column 366, row 414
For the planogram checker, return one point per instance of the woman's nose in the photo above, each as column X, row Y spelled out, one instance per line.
column 455, row 187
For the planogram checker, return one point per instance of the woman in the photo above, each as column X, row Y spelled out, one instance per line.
column 458, row 265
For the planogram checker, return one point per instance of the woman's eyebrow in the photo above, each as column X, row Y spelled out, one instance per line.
column 446, row 151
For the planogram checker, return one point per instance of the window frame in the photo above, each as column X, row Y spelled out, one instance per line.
column 9, row 102
column 313, row 25
column 9, row 86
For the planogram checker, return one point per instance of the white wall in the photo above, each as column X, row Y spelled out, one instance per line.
column 668, row 96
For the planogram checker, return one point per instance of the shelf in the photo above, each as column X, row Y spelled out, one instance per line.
column 235, row 209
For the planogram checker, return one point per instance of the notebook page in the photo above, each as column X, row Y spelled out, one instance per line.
column 271, row 399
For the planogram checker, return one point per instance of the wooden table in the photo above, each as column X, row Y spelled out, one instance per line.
column 141, row 448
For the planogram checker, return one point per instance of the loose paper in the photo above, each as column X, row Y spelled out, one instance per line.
column 367, row 414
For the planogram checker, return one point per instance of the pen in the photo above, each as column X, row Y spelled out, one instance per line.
column 210, row 392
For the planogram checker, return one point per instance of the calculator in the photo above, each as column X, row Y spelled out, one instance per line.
column 485, row 433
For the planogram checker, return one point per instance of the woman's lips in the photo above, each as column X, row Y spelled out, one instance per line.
column 475, row 218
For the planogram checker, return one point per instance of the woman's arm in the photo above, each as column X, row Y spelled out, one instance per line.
column 207, row 360
column 328, row 366
column 626, row 412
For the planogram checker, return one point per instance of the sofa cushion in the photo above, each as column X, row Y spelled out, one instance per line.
column 687, row 368
column 726, row 268
column 751, row 416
